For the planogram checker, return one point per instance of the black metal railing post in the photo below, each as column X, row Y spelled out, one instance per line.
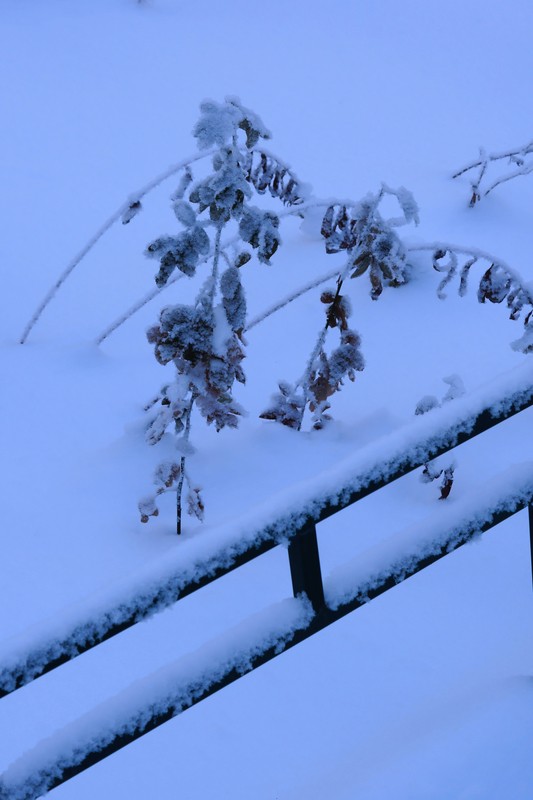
column 304, row 561
column 530, row 510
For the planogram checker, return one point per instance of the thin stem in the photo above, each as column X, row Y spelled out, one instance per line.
column 179, row 487
column 516, row 174
column 136, row 307
column 216, row 258
column 304, row 380
column 133, row 198
column 289, row 298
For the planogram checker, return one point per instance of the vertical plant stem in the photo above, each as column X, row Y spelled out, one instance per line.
column 216, row 259
column 304, row 381
column 182, row 465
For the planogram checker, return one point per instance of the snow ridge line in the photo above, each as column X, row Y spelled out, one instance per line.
column 30, row 656
column 150, row 702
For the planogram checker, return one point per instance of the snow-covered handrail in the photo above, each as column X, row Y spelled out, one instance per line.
column 198, row 562
column 156, row 699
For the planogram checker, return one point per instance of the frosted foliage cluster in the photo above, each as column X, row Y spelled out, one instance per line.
column 372, row 244
column 225, row 190
column 184, row 333
column 182, row 252
column 325, row 373
column 265, row 173
column 286, row 406
column 260, row 230
column 219, row 121
column 498, row 283
column 216, row 125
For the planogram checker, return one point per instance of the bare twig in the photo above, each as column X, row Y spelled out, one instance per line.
column 517, row 157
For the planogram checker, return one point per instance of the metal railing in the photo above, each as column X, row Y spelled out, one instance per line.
column 306, row 574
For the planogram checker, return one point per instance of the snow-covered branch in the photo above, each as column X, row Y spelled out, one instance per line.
column 518, row 159
column 499, row 282
column 126, row 212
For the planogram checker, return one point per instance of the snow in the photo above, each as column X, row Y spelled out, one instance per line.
column 171, row 690
column 396, row 556
column 422, row 693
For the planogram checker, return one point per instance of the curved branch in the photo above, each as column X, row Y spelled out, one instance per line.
column 477, row 254
column 133, row 199
column 516, row 174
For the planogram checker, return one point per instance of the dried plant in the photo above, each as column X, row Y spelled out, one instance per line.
column 519, row 163
column 204, row 341
column 373, row 247
column 433, row 470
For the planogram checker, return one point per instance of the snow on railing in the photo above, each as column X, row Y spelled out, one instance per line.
column 218, row 551
column 150, row 702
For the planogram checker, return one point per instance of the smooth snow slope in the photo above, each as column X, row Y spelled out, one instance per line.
column 425, row 693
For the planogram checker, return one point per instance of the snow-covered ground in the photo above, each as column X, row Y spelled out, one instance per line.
column 426, row 692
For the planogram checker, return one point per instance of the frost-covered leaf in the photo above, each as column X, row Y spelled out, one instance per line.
column 242, row 258
column 447, row 483
column 426, row 403
column 233, row 298
column 166, row 474
column 148, row 508
column 195, row 504
column 185, row 213
column 338, row 310
column 217, row 124
column 494, row 285
column 183, row 185
column 286, row 407
column 260, row 230
column 132, row 210
column 181, row 252
column 525, row 343
column 408, row 204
